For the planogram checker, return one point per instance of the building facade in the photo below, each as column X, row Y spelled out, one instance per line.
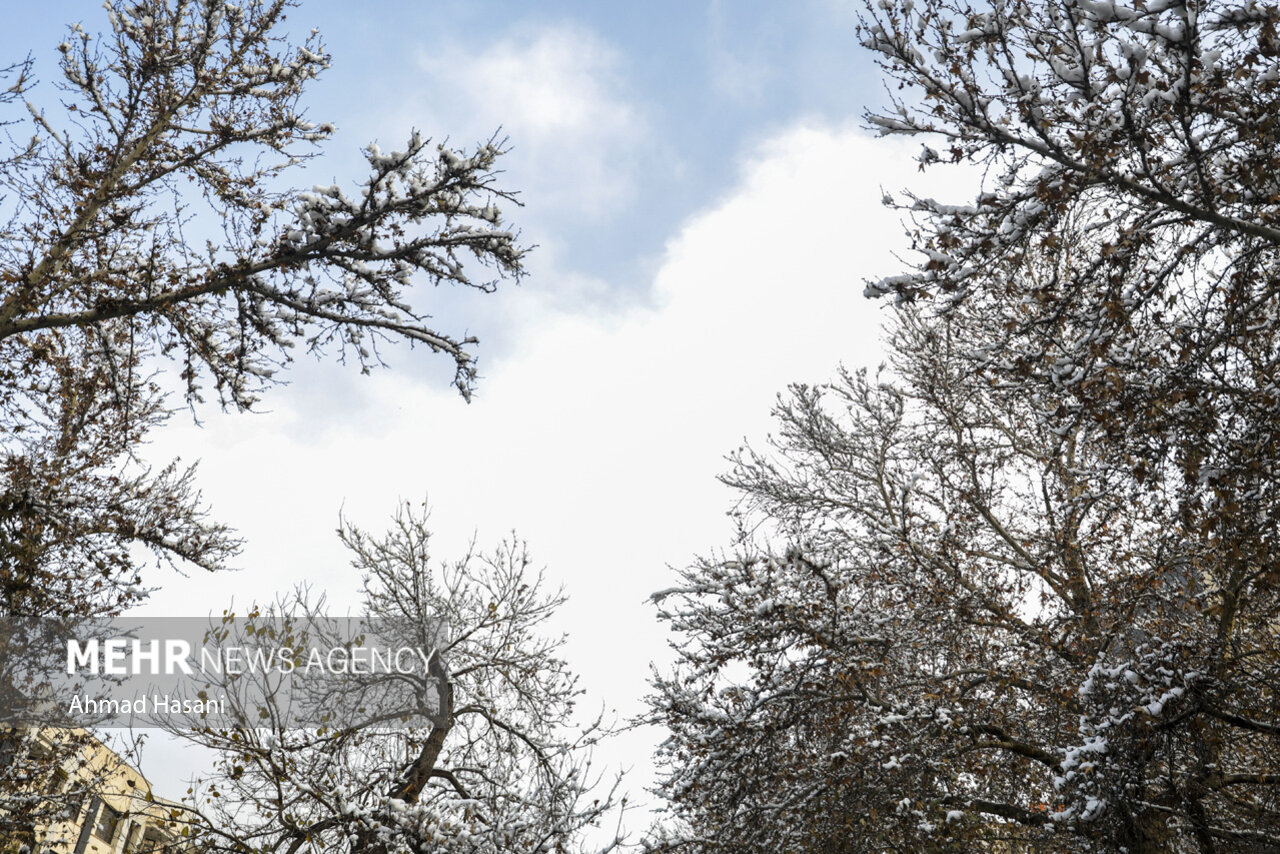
column 108, row 807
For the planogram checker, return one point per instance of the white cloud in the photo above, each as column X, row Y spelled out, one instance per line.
column 558, row 92
column 599, row 438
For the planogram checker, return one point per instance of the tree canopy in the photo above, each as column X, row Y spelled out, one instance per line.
column 482, row 752
column 155, row 247
column 1018, row 589
column 151, row 241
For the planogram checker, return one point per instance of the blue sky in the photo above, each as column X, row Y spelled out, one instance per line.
column 706, row 207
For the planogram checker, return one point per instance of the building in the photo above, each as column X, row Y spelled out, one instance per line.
column 110, row 807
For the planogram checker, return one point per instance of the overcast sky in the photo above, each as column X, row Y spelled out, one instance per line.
column 705, row 207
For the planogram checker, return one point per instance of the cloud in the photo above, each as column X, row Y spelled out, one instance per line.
column 598, row 438
column 558, row 92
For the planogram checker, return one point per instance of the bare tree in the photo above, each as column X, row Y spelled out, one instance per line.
column 188, row 103
column 149, row 218
column 479, row 751
column 1129, row 208
column 1021, row 589
column 962, row 622
column 151, row 240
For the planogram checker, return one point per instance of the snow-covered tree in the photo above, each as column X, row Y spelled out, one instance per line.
column 1131, row 193
column 151, row 239
column 961, row 619
column 186, row 116
column 1020, row 589
column 149, row 225
column 482, row 752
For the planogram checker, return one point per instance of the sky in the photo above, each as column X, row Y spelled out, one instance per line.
column 705, row 206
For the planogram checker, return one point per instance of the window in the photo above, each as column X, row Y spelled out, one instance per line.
column 8, row 749
column 154, row 840
column 131, row 841
column 61, row 791
column 105, row 827
column 74, row 797
column 57, row 782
